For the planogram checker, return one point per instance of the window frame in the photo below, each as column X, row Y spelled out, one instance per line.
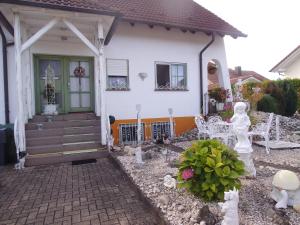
column 170, row 76
column 108, row 88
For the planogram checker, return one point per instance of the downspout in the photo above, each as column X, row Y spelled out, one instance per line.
column 5, row 76
column 201, row 70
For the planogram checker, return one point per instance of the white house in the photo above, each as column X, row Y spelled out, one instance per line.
column 106, row 57
column 289, row 66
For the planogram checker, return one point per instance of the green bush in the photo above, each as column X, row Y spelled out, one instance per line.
column 208, row 169
column 268, row 104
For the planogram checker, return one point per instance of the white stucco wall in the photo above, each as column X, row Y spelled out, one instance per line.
column 293, row 71
column 2, row 105
column 142, row 46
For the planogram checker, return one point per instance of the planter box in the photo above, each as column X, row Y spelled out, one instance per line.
column 220, row 106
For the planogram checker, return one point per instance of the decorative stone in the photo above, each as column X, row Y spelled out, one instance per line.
column 129, row 150
column 206, row 217
column 146, row 155
column 297, row 208
column 169, row 181
column 230, row 208
column 163, row 200
column 285, row 180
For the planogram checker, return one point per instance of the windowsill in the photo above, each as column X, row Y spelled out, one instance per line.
column 167, row 89
column 117, row 89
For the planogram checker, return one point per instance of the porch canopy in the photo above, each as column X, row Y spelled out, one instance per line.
column 32, row 24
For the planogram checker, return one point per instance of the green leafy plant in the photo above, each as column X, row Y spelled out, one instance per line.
column 208, row 169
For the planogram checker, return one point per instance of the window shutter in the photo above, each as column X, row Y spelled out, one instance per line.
column 117, row 67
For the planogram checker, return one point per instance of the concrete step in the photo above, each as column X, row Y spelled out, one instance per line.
column 62, row 131
column 64, row 139
column 61, row 124
column 55, row 148
column 66, row 117
column 61, row 157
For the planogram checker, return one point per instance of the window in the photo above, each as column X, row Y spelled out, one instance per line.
column 117, row 74
column 171, row 76
column 128, row 133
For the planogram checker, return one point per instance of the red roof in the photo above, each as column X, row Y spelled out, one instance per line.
column 184, row 14
column 234, row 77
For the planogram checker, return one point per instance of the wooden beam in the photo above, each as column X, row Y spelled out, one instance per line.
column 6, row 24
column 39, row 34
column 102, row 78
column 21, row 146
column 81, row 37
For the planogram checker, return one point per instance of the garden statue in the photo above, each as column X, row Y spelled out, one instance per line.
column 286, row 189
column 240, row 124
column 238, row 88
column 138, row 151
column 230, row 208
column 169, row 181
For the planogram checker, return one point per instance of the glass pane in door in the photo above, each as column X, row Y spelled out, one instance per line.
column 79, row 85
column 50, row 84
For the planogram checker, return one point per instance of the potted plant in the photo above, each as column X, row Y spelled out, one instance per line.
column 220, row 95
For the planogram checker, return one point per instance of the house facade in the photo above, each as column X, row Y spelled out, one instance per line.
column 107, row 57
column 289, row 66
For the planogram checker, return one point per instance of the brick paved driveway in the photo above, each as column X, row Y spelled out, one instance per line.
column 95, row 193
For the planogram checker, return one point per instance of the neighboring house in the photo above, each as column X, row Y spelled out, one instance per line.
column 289, row 66
column 236, row 74
column 107, row 56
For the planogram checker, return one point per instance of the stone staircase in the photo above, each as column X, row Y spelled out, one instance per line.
column 63, row 138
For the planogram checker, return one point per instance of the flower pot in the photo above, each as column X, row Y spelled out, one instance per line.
column 50, row 109
column 220, row 106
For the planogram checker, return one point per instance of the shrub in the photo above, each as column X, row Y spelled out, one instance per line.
column 209, row 168
column 267, row 104
column 276, row 92
column 290, row 97
column 250, row 94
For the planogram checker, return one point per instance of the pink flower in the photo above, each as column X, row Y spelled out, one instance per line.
column 187, row 174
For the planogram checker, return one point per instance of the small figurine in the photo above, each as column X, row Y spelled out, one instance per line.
column 230, row 208
column 241, row 124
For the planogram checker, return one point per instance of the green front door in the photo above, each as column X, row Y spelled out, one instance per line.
column 72, row 83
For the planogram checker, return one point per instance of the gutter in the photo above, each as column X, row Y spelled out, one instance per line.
column 5, row 75
column 201, row 70
column 10, row 29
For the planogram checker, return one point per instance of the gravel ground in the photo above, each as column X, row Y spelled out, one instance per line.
column 180, row 207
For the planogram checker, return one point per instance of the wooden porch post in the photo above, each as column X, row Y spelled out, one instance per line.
column 20, row 114
column 102, row 73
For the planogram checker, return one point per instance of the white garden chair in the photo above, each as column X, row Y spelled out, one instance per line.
column 262, row 130
column 201, row 126
column 219, row 129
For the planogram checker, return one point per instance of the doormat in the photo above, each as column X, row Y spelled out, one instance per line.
column 85, row 161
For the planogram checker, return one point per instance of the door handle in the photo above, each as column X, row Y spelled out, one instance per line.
column 68, row 84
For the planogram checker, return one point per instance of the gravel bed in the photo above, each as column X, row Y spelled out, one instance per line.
column 180, row 207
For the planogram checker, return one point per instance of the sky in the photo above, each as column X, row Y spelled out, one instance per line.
column 272, row 27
